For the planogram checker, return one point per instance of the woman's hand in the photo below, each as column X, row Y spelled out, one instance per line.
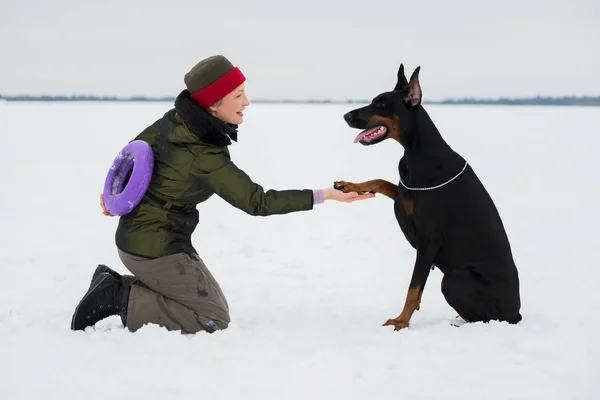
column 104, row 210
column 334, row 194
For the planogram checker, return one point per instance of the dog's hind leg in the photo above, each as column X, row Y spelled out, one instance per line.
column 475, row 300
column 382, row 186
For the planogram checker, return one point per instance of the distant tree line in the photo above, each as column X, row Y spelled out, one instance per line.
column 535, row 101
column 83, row 98
column 539, row 100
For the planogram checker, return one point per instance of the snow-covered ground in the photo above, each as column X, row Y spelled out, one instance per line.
column 309, row 291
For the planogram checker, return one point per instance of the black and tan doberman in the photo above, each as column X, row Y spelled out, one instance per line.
column 443, row 209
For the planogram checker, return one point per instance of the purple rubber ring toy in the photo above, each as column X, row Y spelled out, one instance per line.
column 128, row 177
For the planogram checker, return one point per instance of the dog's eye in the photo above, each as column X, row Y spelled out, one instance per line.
column 380, row 105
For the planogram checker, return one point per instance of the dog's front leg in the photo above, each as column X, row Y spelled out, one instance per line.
column 382, row 186
column 426, row 252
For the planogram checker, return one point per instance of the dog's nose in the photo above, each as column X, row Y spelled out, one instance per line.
column 348, row 116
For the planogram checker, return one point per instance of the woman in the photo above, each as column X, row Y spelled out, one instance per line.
column 170, row 285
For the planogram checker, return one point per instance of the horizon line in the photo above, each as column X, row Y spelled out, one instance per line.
column 537, row 100
column 324, row 99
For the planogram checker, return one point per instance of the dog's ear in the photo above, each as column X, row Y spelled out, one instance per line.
column 402, row 82
column 414, row 94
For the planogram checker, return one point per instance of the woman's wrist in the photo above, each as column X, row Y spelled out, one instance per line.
column 318, row 196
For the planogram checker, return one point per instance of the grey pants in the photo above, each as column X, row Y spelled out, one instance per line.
column 177, row 292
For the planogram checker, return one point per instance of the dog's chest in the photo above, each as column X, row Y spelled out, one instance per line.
column 404, row 208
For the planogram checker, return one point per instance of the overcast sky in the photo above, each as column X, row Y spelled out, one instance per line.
column 302, row 49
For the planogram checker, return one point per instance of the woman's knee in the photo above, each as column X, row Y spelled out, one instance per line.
column 214, row 318
column 221, row 325
column 211, row 325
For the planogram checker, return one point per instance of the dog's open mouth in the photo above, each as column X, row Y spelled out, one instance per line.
column 370, row 135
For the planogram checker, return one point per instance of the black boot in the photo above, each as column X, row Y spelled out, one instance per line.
column 101, row 268
column 107, row 296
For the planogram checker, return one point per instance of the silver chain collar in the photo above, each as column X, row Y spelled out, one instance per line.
column 438, row 186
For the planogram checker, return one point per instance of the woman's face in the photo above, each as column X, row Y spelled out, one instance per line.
column 232, row 106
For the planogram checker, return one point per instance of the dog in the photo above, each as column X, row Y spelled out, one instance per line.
column 442, row 208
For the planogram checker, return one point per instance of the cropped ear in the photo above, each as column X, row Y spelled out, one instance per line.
column 402, row 82
column 414, row 94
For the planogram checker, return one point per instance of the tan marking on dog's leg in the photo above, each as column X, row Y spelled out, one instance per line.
column 411, row 304
column 419, row 300
column 466, row 319
column 386, row 188
column 375, row 186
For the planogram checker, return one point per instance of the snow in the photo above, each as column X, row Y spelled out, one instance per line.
column 308, row 291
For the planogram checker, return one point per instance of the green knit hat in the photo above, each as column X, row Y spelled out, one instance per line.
column 212, row 79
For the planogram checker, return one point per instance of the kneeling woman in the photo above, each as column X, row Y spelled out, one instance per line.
column 170, row 285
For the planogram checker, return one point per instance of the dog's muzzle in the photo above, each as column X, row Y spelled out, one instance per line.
column 348, row 117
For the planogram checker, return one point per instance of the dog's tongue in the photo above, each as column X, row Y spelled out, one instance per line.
column 365, row 133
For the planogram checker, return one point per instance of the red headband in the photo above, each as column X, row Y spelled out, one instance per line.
column 219, row 88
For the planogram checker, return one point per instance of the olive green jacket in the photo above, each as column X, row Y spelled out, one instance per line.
column 191, row 163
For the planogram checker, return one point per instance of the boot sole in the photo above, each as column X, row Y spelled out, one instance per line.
column 100, row 278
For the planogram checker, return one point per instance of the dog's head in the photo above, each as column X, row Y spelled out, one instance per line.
column 390, row 114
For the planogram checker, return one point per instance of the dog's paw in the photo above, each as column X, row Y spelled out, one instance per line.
column 339, row 185
column 398, row 323
column 346, row 187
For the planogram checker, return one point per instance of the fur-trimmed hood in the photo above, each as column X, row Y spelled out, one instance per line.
column 208, row 128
